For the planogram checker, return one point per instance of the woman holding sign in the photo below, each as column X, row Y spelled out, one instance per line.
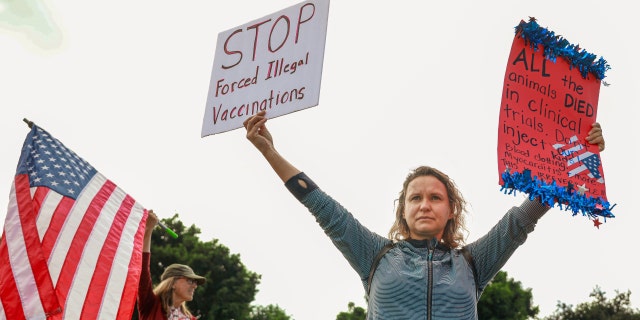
column 427, row 272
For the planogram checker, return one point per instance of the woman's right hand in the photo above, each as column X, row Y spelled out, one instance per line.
column 257, row 131
column 258, row 134
column 152, row 221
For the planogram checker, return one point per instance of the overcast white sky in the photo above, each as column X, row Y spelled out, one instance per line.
column 124, row 84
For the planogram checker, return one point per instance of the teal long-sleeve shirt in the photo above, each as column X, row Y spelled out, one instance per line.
column 411, row 274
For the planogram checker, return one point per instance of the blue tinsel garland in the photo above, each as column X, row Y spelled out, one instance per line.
column 556, row 46
column 551, row 194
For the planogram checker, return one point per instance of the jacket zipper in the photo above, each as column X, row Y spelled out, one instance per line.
column 431, row 247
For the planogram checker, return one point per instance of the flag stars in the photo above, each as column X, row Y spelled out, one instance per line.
column 597, row 223
column 50, row 163
column 582, row 189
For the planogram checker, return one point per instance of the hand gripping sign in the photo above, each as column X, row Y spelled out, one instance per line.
column 273, row 63
column 549, row 102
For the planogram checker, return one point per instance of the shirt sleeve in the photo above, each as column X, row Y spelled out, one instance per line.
column 146, row 298
column 492, row 251
column 356, row 243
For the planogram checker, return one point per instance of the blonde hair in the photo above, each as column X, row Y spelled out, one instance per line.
column 164, row 290
column 453, row 235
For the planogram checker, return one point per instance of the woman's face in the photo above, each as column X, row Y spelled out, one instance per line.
column 183, row 289
column 426, row 208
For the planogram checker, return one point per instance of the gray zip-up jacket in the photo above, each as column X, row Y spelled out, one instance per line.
column 418, row 279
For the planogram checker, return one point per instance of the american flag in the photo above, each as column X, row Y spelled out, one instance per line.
column 579, row 159
column 71, row 247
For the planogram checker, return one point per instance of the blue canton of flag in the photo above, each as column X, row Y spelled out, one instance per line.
column 593, row 163
column 49, row 163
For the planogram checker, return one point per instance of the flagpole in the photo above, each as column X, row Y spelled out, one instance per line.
column 29, row 123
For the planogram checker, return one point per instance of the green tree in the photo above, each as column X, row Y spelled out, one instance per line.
column 354, row 313
column 230, row 287
column 504, row 298
column 270, row 312
column 619, row 308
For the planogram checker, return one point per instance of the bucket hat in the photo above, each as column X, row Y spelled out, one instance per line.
column 181, row 270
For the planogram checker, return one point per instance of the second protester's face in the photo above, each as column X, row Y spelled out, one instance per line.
column 183, row 289
column 427, row 209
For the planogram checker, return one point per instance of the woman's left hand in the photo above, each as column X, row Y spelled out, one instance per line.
column 595, row 136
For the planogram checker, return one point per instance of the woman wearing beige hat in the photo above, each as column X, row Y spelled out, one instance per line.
column 167, row 301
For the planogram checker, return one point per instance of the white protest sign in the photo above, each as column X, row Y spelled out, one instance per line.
column 273, row 63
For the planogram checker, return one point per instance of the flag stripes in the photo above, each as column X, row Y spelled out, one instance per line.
column 579, row 159
column 73, row 239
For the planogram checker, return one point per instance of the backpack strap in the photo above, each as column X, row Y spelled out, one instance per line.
column 375, row 263
column 467, row 255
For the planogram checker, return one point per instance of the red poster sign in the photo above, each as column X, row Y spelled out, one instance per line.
column 549, row 102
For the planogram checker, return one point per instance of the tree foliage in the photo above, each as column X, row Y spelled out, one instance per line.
column 618, row 308
column 230, row 287
column 504, row 298
column 354, row 313
column 270, row 312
